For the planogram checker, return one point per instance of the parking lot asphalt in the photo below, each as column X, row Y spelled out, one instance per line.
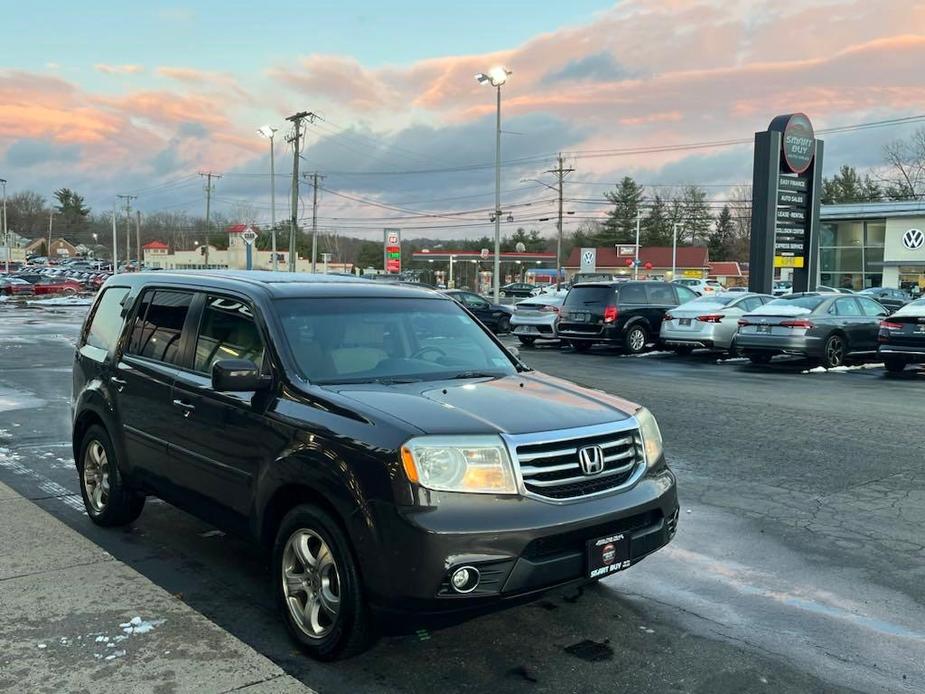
column 798, row 564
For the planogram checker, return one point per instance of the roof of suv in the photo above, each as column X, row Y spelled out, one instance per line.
column 279, row 284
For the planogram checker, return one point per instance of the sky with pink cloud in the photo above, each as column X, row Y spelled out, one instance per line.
column 107, row 99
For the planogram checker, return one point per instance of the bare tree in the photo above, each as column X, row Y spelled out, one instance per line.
column 905, row 167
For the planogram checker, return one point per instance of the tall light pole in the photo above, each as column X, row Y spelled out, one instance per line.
column 6, row 235
column 268, row 132
column 674, row 250
column 636, row 259
column 496, row 77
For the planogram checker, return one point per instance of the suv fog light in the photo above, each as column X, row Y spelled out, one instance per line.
column 465, row 579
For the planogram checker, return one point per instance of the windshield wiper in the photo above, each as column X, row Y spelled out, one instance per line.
column 475, row 374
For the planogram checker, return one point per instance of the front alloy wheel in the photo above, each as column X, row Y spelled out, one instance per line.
column 311, row 583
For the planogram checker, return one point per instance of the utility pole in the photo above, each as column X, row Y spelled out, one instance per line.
column 296, row 120
column 636, row 258
column 138, row 238
column 6, row 233
column 315, row 178
column 561, row 172
column 674, row 250
column 115, row 251
column 51, row 219
column 209, row 188
column 128, row 226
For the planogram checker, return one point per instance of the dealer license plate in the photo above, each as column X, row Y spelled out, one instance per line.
column 684, row 321
column 608, row 554
column 578, row 317
column 763, row 329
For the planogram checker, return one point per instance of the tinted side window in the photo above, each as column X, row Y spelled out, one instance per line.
column 227, row 331
column 871, row 307
column 750, row 304
column 661, row 294
column 847, row 307
column 107, row 320
column 157, row 329
column 685, row 294
column 632, row 294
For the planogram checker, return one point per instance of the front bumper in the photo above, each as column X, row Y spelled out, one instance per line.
column 520, row 545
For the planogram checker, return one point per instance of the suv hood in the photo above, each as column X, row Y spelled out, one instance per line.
column 517, row 404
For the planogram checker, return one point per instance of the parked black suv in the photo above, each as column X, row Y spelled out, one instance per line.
column 377, row 437
column 628, row 314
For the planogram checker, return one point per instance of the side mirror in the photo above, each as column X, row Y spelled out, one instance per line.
column 236, row 376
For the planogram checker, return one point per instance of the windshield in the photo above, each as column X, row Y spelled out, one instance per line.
column 714, row 299
column 810, row 302
column 588, row 296
column 346, row 340
column 688, row 283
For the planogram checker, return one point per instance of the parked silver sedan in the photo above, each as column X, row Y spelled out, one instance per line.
column 710, row 321
column 536, row 318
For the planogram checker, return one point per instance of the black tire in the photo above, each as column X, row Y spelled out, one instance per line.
column 504, row 325
column 895, row 365
column 760, row 357
column 526, row 339
column 834, row 351
column 635, row 339
column 581, row 345
column 351, row 631
column 683, row 350
column 116, row 504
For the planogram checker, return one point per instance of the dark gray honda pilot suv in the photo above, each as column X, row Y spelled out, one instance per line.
column 390, row 451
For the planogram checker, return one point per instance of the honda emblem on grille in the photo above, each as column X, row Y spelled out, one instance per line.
column 591, row 459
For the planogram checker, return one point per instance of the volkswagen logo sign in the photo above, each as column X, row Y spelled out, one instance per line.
column 914, row 239
column 591, row 459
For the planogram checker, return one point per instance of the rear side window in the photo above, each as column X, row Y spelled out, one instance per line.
column 847, row 307
column 583, row 297
column 662, row 294
column 227, row 331
column 106, row 325
column 633, row 294
column 159, row 324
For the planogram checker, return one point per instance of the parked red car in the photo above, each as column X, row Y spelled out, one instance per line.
column 57, row 285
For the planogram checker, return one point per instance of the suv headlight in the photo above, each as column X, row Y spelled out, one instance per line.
column 651, row 436
column 478, row 464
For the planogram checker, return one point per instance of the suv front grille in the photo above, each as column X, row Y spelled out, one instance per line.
column 552, row 468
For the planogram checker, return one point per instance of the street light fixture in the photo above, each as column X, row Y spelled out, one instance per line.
column 495, row 78
column 268, row 132
column 6, row 236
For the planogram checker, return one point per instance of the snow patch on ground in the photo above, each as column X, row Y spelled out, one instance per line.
column 842, row 369
column 63, row 301
column 18, row 400
column 137, row 625
column 732, row 360
column 648, row 354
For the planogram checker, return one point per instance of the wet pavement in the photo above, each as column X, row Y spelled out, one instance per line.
column 798, row 564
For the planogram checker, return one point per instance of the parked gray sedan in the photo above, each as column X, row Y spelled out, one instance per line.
column 710, row 321
column 535, row 318
column 828, row 328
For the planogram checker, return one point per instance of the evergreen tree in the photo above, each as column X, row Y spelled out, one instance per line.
column 696, row 216
column 847, row 185
column 71, row 211
column 656, row 226
column 620, row 225
column 722, row 240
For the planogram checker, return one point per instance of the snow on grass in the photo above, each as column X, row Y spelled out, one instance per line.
column 842, row 369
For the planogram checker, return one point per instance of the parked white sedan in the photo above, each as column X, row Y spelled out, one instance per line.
column 536, row 318
column 708, row 322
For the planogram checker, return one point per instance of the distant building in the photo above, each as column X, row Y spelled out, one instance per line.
column 691, row 261
column 60, row 248
column 157, row 254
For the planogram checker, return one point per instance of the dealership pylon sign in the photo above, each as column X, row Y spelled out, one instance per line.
column 786, row 186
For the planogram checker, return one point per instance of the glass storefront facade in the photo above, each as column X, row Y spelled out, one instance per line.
column 851, row 253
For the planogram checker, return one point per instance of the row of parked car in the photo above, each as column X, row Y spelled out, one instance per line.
column 49, row 280
column 828, row 327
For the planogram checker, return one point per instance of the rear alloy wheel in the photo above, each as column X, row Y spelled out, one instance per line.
column 895, row 365
column 107, row 500
column 318, row 585
column 760, row 357
column 634, row 342
column 833, row 354
column 526, row 339
column 504, row 325
column 580, row 345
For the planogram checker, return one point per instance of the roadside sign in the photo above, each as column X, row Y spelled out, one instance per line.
column 392, row 250
column 249, row 236
column 484, row 253
column 588, row 259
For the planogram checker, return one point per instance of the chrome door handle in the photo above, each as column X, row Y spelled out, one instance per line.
column 118, row 383
column 185, row 406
